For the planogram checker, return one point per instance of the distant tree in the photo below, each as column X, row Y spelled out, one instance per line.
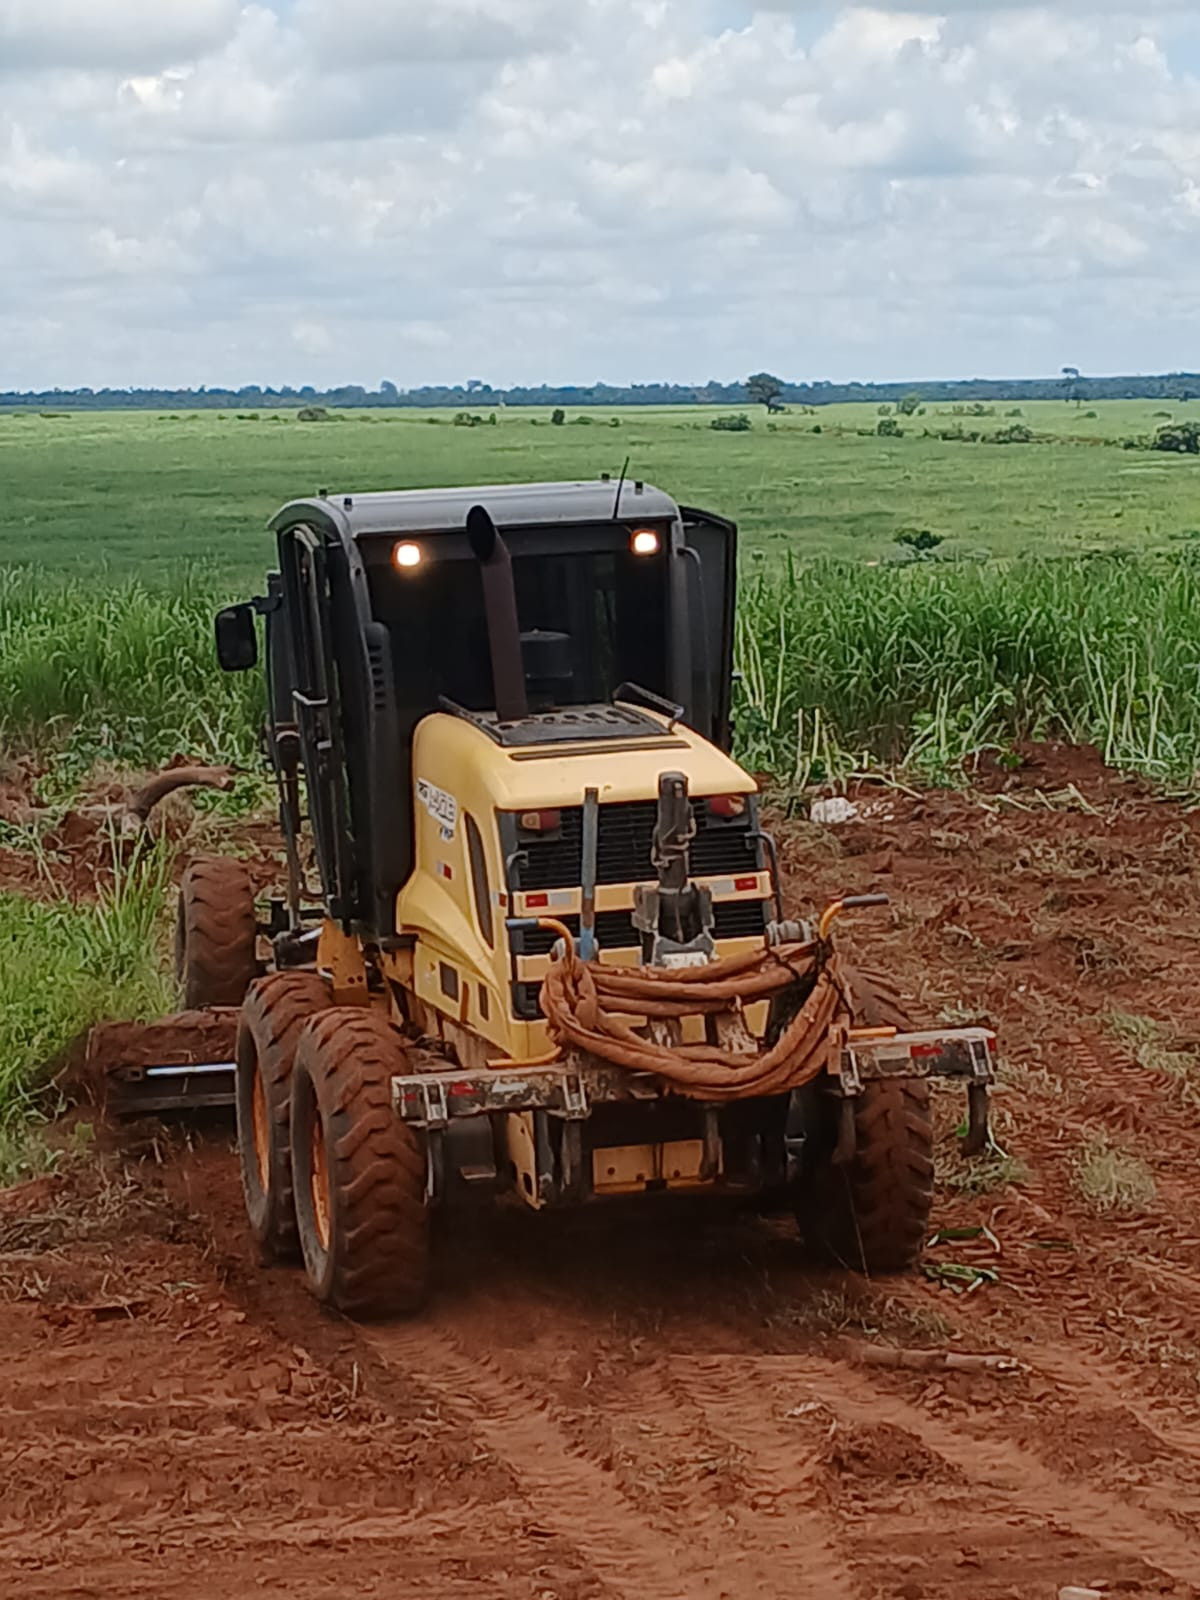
column 909, row 405
column 889, row 428
column 558, row 416
column 388, row 390
column 762, row 388
column 1072, row 384
column 919, row 540
column 1181, row 437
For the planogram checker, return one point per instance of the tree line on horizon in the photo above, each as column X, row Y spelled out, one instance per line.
column 1176, row 386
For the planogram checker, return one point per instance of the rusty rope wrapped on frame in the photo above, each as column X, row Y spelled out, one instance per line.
column 585, row 1005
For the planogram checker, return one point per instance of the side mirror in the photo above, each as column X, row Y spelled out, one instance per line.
column 237, row 639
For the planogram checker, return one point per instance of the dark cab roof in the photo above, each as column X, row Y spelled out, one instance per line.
column 523, row 505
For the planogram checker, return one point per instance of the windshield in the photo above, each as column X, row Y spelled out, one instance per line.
column 611, row 603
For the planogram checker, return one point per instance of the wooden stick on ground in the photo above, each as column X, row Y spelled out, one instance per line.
column 873, row 1355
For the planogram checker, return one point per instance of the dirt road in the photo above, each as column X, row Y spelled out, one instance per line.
column 594, row 1409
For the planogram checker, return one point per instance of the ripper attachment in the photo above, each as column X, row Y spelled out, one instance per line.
column 675, row 918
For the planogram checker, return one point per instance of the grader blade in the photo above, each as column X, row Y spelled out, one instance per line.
column 182, row 1062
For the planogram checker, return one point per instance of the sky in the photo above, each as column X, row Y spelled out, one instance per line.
column 571, row 191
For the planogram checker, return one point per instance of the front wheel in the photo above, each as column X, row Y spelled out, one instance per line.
column 871, row 1215
column 359, row 1171
column 275, row 1013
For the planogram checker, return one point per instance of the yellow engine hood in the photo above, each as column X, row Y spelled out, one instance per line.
column 532, row 776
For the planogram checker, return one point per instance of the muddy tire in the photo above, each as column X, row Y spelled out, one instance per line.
column 215, row 934
column 872, row 1215
column 359, row 1171
column 275, row 1012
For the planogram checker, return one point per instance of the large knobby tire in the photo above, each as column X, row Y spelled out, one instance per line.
column 275, row 1012
column 215, row 934
column 871, row 1215
column 359, row 1171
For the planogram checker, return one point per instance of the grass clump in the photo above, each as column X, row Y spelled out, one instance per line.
column 1143, row 1037
column 984, row 1174
column 834, row 1311
column 67, row 965
column 24, row 1153
column 1111, row 1179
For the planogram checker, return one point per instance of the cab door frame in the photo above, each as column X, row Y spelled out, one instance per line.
column 315, row 693
column 710, row 544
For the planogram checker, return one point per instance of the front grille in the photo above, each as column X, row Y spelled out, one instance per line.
column 625, row 841
column 732, row 919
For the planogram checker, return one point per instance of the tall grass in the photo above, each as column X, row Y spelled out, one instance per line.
column 919, row 664
column 926, row 663
column 125, row 672
column 65, row 965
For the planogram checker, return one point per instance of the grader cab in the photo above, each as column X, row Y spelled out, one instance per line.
column 533, row 946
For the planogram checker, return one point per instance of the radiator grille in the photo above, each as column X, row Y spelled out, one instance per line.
column 732, row 919
column 625, row 841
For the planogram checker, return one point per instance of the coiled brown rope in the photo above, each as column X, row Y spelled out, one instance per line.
column 585, row 1003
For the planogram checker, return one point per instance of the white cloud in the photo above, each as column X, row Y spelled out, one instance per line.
column 109, row 33
column 408, row 31
column 311, row 337
column 523, row 189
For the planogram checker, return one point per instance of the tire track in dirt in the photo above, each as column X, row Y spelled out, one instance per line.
column 1016, row 1479
column 785, row 1512
column 708, row 1554
column 768, row 1500
column 1080, row 1370
column 1122, row 1094
column 1083, row 1374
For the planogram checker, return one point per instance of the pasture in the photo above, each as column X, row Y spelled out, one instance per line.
column 1061, row 600
column 147, row 493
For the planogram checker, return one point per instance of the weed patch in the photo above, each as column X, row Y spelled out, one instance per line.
column 1143, row 1038
column 834, row 1311
column 68, row 965
column 1111, row 1179
column 983, row 1175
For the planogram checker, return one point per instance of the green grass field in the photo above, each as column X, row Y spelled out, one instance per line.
column 147, row 493
column 999, row 637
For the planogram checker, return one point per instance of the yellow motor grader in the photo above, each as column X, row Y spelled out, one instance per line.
column 545, row 957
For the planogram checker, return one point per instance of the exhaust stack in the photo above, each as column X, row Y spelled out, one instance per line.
column 500, row 605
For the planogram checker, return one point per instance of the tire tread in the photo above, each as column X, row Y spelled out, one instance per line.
column 378, row 1258
column 871, row 1215
column 216, row 954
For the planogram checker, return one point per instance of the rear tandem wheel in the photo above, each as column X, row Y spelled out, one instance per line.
column 359, row 1171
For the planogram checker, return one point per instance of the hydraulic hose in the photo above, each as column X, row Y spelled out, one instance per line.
column 587, row 1007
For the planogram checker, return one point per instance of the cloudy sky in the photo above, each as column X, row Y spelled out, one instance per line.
column 291, row 191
